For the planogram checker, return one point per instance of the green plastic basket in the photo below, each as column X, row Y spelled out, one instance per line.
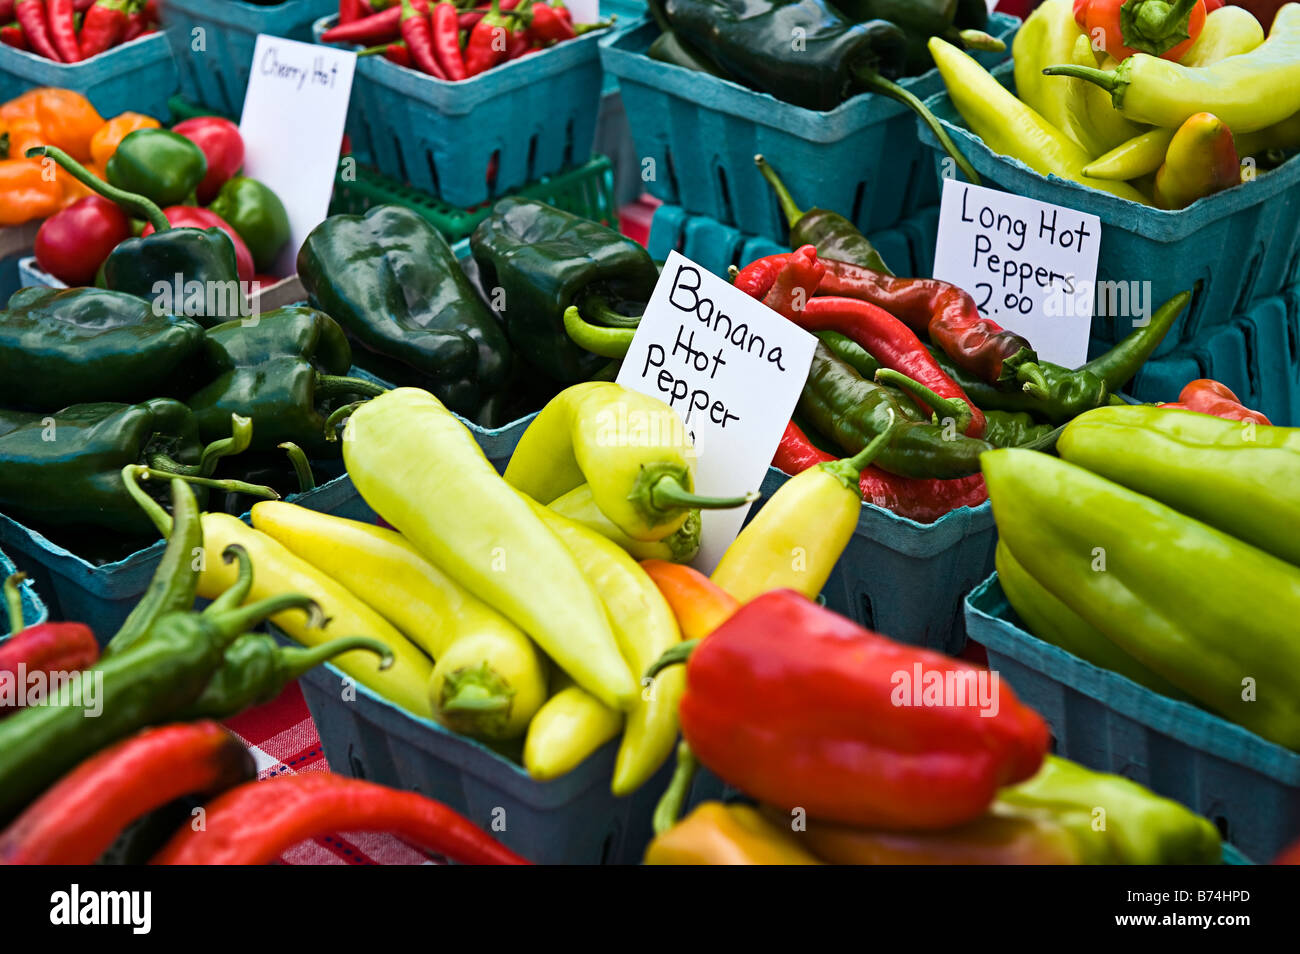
column 587, row 190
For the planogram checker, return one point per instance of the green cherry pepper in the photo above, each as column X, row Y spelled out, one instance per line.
column 163, row 165
column 257, row 214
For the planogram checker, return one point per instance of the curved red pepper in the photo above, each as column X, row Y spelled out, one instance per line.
column 1211, row 397
column 257, row 822
column 802, row 709
column 77, row 819
column 30, row 15
column 919, row 499
column 945, row 311
column 446, row 40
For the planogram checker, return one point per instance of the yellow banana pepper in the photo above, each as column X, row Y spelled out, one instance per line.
column 566, row 730
column 681, row 547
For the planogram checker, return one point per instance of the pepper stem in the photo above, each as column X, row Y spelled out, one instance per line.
column 849, row 470
column 241, row 435
column 234, row 597
column 131, row 474
column 943, row 407
column 1155, row 26
column 338, row 417
column 874, row 81
column 301, row 466
column 672, row 657
column 138, row 206
column 298, row 660
column 243, row 619
column 1034, row 382
column 784, row 199
column 606, row 342
column 669, row 808
column 14, row 602
column 667, row 493
column 598, row 309
column 334, row 385
column 1106, row 80
column 225, row 485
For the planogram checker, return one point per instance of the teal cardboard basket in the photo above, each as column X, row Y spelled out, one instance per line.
column 136, row 76
column 34, row 611
column 484, row 137
column 697, row 136
column 1242, row 244
column 908, row 247
column 1249, row 787
column 573, row 819
column 214, row 39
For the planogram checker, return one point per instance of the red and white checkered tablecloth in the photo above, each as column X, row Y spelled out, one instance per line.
column 284, row 741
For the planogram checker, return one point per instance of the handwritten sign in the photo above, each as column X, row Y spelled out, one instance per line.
column 733, row 369
column 294, row 111
column 1031, row 266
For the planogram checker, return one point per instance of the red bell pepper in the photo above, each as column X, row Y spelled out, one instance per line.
column 73, row 243
column 255, row 823
column 77, row 819
column 1163, row 29
column 190, row 217
column 48, row 648
column 803, row 709
column 36, row 28
column 222, row 146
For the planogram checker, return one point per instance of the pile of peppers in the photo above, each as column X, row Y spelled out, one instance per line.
column 1158, row 103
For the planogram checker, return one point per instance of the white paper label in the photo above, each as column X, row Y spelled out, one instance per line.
column 584, row 11
column 294, row 112
column 732, row 369
column 1031, row 266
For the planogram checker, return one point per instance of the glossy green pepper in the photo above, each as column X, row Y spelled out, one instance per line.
column 283, row 372
column 257, row 214
column 1209, row 612
column 543, row 260
column 180, row 270
column 157, row 163
column 1068, row 393
column 1114, row 820
column 390, row 279
column 67, row 346
column 1013, row 428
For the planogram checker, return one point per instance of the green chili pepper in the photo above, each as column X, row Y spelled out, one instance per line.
column 146, row 684
column 1066, row 394
column 834, row 236
column 67, row 346
column 257, row 214
column 1118, row 365
column 157, row 163
column 539, row 261
column 1013, row 428
column 283, row 372
column 390, row 279
column 148, row 267
column 843, row 405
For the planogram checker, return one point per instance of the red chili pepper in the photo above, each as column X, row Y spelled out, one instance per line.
column 137, row 24
column 12, row 35
column 63, row 29
column 349, row 11
column 49, row 648
column 549, row 26
column 488, row 43
column 77, row 819
column 922, row 500
column 31, row 17
column 81, row 6
column 6, row 10
column 418, row 34
column 801, row 708
column 73, row 243
column 191, row 217
column 104, row 26
column 257, row 822
column 446, row 40
column 376, row 28
column 795, row 283
column 945, row 311
column 221, row 144
column 395, row 52
column 1210, row 397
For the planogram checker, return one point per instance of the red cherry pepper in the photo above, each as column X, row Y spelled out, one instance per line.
column 257, row 822
column 73, row 243
column 919, row 499
column 36, row 28
column 190, row 217
column 104, row 26
column 63, row 29
column 222, row 146
column 78, row 818
column 946, row 312
column 801, row 708
column 446, row 40
column 1210, row 397
column 49, row 648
